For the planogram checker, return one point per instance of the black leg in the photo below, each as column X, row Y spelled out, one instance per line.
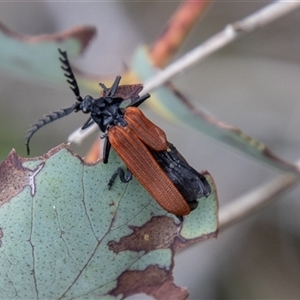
column 124, row 177
column 180, row 218
column 88, row 123
column 114, row 87
column 140, row 100
column 106, row 149
column 104, row 87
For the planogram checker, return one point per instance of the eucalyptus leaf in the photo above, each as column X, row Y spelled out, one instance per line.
column 64, row 235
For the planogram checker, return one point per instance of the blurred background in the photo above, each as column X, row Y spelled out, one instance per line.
column 252, row 84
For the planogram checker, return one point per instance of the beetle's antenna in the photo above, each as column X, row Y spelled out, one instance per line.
column 46, row 120
column 69, row 74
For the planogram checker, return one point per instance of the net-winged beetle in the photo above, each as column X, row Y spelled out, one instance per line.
column 143, row 146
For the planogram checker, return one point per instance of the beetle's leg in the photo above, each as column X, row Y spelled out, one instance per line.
column 104, row 87
column 139, row 100
column 124, row 177
column 180, row 218
column 114, row 87
column 88, row 123
column 106, row 149
column 110, row 92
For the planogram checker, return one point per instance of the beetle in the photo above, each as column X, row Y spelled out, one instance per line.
column 142, row 145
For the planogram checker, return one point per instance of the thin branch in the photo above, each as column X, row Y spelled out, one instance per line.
column 177, row 29
column 230, row 33
column 247, row 204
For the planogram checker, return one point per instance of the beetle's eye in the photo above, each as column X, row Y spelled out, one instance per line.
column 86, row 104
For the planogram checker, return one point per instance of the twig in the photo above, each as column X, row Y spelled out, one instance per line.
column 177, row 29
column 230, row 33
column 252, row 201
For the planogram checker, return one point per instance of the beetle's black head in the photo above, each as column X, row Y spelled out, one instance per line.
column 87, row 104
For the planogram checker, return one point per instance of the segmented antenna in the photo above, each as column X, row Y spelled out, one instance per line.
column 46, row 120
column 69, row 74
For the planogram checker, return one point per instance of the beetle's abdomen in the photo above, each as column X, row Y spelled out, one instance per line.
column 144, row 167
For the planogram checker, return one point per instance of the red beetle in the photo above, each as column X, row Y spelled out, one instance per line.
column 143, row 146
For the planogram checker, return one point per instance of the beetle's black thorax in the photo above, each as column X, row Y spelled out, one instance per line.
column 106, row 112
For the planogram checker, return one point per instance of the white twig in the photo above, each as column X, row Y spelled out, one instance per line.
column 247, row 204
column 230, row 33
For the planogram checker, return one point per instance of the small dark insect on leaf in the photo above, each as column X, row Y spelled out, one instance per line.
column 143, row 146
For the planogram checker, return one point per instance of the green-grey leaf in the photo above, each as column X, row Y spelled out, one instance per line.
column 64, row 235
column 36, row 57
